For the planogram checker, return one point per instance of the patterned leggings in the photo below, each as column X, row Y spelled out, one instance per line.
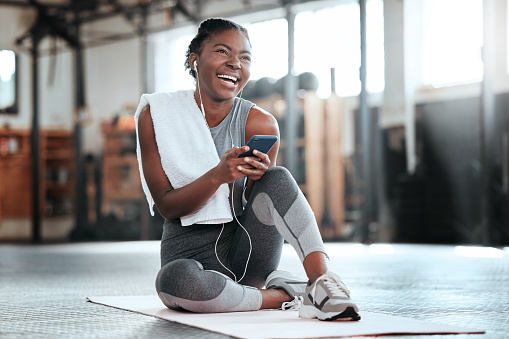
column 191, row 276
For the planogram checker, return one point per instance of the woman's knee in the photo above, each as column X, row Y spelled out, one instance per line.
column 278, row 171
column 184, row 284
column 277, row 175
column 172, row 273
column 278, row 183
column 185, row 280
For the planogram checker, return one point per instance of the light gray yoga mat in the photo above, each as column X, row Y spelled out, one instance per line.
column 280, row 324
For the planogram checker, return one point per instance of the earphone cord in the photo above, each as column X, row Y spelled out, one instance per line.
column 199, row 93
column 232, row 204
column 250, row 246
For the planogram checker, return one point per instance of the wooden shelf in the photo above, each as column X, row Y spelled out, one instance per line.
column 57, row 173
column 121, row 183
column 59, row 155
column 15, row 173
column 57, row 186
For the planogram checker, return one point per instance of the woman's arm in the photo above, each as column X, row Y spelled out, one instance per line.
column 258, row 122
column 175, row 203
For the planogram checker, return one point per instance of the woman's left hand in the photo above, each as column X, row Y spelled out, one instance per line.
column 256, row 166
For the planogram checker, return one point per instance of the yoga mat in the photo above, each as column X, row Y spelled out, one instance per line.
column 280, row 324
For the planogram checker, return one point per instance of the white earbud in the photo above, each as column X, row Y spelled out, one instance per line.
column 195, row 64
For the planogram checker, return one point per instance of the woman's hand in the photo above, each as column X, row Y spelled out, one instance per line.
column 255, row 167
column 228, row 169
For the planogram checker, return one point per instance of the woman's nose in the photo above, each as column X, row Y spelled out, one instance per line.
column 234, row 62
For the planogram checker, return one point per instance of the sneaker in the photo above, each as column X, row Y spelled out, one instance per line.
column 289, row 282
column 293, row 285
column 328, row 298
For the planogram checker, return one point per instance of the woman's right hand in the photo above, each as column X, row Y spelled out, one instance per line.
column 227, row 170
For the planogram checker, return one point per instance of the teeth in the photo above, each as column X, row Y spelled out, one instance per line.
column 224, row 76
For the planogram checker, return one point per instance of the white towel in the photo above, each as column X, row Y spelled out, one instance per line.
column 187, row 151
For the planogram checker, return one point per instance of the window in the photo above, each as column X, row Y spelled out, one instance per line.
column 452, row 42
column 270, row 56
column 324, row 38
column 170, row 55
column 8, row 95
column 330, row 38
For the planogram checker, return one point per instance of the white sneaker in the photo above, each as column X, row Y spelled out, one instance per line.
column 328, row 298
column 293, row 285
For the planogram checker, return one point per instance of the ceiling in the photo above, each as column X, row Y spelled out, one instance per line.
column 113, row 20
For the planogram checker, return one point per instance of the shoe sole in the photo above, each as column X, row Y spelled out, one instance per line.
column 310, row 312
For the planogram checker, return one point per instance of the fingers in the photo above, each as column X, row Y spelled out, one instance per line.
column 236, row 151
column 255, row 167
column 227, row 168
column 251, row 173
column 259, row 160
column 262, row 156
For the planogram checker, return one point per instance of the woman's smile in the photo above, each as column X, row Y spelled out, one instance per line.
column 228, row 80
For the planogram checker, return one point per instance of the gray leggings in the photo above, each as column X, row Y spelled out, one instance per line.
column 191, row 277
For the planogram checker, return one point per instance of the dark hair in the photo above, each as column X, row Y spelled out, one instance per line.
column 206, row 30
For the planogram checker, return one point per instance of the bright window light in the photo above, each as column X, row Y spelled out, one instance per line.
column 381, row 249
column 7, row 80
column 170, row 55
column 7, row 65
column 375, row 46
column 269, row 40
column 324, row 39
column 479, row 252
column 330, row 38
column 507, row 37
column 452, row 42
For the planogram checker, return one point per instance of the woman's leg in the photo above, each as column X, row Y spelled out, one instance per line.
column 276, row 203
column 190, row 277
column 184, row 284
column 276, row 210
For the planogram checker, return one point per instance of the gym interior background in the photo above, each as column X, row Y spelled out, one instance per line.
column 393, row 114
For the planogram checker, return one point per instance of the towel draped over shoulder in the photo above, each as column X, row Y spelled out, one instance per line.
column 186, row 149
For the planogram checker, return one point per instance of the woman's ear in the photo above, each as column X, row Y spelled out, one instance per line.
column 193, row 61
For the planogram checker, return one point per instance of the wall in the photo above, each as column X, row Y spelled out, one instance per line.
column 112, row 77
column 112, row 81
column 56, row 97
column 13, row 23
column 441, row 201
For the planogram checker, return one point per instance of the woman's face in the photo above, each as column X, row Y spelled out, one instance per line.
column 224, row 65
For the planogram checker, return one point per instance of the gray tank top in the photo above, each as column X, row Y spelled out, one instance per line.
column 232, row 130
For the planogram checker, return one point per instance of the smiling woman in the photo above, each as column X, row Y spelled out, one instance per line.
column 8, row 96
column 226, row 216
column 225, row 61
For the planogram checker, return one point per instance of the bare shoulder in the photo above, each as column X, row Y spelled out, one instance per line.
column 145, row 128
column 259, row 121
column 145, row 115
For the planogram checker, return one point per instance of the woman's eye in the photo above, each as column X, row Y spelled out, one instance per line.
column 246, row 58
column 221, row 51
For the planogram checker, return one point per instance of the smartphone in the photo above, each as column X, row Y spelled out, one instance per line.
column 262, row 143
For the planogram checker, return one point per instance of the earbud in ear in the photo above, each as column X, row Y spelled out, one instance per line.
column 195, row 64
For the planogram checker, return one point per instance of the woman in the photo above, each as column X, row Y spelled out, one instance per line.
column 212, row 266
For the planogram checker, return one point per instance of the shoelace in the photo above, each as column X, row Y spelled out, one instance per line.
column 294, row 304
column 333, row 283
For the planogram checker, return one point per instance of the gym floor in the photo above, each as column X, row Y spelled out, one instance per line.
column 43, row 288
